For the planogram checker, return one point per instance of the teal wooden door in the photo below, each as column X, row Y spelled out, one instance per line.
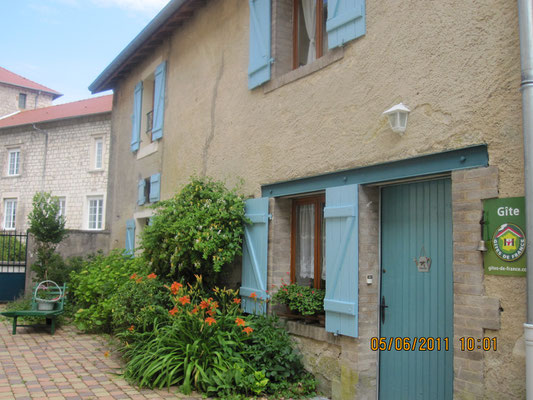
column 416, row 220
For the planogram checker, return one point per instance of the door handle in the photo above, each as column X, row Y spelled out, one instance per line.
column 383, row 306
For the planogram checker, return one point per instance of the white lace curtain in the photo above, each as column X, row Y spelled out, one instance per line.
column 306, row 246
column 309, row 11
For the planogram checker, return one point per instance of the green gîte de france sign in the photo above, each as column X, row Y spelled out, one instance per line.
column 505, row 236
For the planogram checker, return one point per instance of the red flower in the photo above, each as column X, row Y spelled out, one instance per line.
column 195, row 310
column 152, row 276
column 204, row 304
column 139, row 280
column 134, row 276
column 237, row 301
column 253, row 295
column 173, row 311
column 210, row 312
column 239, row 321
column 175, row 287
column 184, row 300
column 248, row 330
column 131, row 328
column 210, row 321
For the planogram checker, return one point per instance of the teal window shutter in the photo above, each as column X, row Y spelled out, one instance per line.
column 254, row 257
column 130, row 236
column 342, row 260
column 136, row 117
column 159, row 100
column 346, row 21
column 155, row 187
column 259, row 55
column 141, row 198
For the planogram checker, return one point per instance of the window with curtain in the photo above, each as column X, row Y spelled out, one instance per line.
column 309, row 31
column 308, row 242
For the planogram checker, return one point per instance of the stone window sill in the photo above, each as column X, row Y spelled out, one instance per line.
column 145, row 151
column 311, row 332
column 329, row 58
column 96, row 171
column 12, row 176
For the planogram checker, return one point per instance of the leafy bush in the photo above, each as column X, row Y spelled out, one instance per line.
column 139, row 303
column 199, row 231
column 48, row 228
column 302, row 299
column 59, row 269
column 94, row 286
column 11, row 249
column 200, row 349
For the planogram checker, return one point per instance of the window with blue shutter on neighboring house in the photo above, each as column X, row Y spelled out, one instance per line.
column 155, row 187
column 136, row 117
column 159, row 100
column 141, row 195
column 130, row 236
column 346, row 21
column 259, row 53
column 254, row 257
column 342, row 260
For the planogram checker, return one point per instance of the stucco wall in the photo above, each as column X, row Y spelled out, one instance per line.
column 455, row 64
column 9, row 99
column 68, row 170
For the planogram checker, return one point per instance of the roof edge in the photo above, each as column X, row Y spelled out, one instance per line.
column 51, row 91
column 55, row 120
column 99, row 84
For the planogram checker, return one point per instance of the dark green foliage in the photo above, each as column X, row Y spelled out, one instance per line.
column 48, row 229
column 93, row 287
column 58, row 269
column 199, row 231
column 301, row 299
column 139, row 303
column 11, row 249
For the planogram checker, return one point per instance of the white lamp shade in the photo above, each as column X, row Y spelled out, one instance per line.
column 398, row 117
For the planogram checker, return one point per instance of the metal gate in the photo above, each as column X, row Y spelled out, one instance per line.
column 13, row 256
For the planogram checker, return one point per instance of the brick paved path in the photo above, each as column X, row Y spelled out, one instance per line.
column 68, row 365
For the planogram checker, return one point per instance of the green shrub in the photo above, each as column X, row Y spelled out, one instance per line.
column 11, row 249
column 198, row 231
column 139, row 303
column 59, row 269
column 93, row 288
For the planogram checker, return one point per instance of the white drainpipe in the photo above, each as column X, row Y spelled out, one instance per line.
column 525, row 23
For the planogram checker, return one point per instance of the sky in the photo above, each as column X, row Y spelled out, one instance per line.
column 65, row 44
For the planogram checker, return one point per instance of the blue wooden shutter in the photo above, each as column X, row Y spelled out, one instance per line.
column 346, row 21
column 141, row 198
column 155, row 187
column 342, row 260
column 254, row 256
column 259, row 62
column 159, row 100
column 130, row 236
column 136, row 117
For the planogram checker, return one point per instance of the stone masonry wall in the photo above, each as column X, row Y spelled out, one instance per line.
column 9, row 99
column 68, row 170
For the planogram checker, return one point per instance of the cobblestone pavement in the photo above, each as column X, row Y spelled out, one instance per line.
column 68, row 365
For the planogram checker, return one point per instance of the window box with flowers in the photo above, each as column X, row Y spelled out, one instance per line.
column 301, row 302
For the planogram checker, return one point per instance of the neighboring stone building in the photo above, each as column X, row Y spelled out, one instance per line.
column 18, row 93
column 63, row 150
column 222, row 89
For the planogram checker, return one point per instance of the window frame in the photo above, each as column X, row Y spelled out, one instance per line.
column 62, row 206
column 23, row 103
column 319, row 32
column 97, row 226
column 99, row 142
column 319, row 200
column 16, row 170
column 12, row 215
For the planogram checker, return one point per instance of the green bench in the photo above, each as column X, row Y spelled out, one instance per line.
column 50, row 315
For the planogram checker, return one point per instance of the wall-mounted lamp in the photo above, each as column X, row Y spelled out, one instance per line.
column 482, row 246
column 398, row 117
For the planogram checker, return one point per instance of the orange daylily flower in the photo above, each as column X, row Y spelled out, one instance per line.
column 134, row 276
column 195, row 310
column 184, row 300
column 239, row 321
column 248, row 330
column 131, row 328
column 253, row 295
column 204, row 304
column 237, row 301
column 210, row 320
column 139, row 280
column 173, row 311
column 175, row 287
column 152, row 276
column 210, row 312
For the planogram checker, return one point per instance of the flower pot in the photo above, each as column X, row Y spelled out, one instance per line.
column 45, row 306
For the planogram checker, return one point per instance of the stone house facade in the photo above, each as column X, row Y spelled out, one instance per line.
column 232, row 91
column 18, row 93
column 63, row 150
